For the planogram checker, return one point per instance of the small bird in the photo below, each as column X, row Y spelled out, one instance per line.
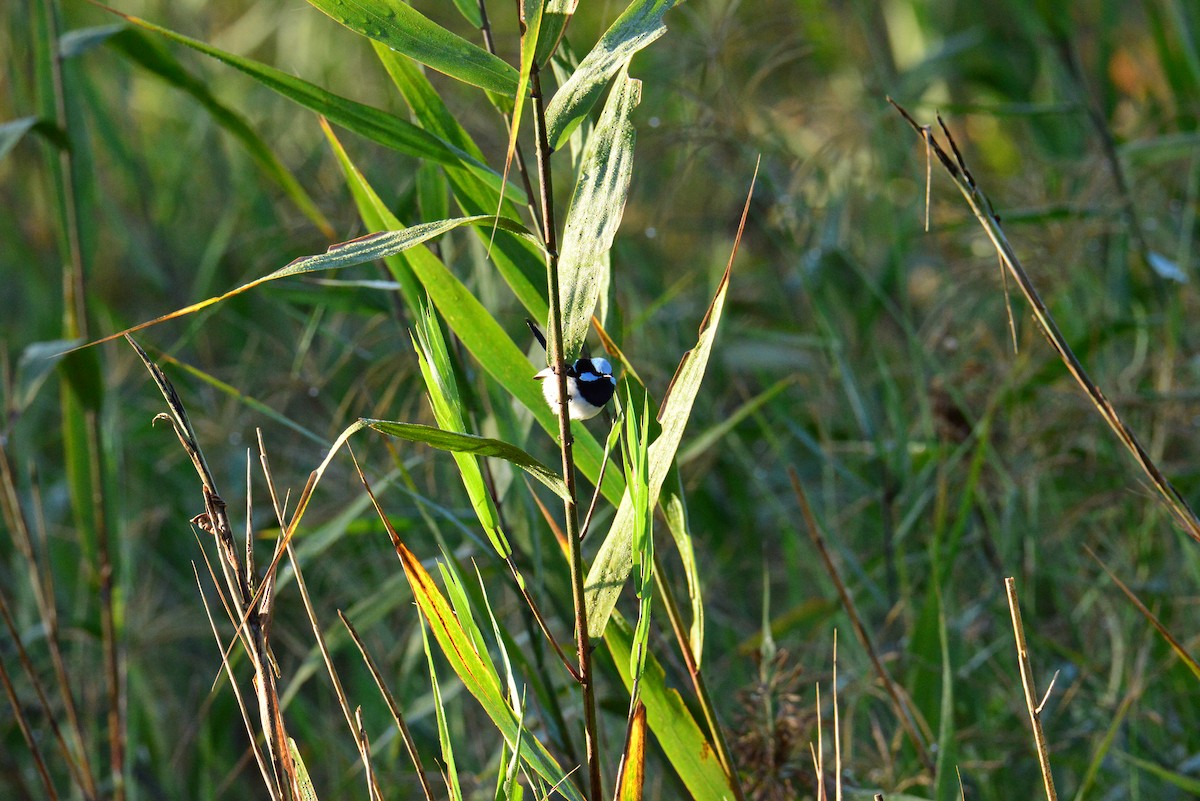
column 590, row 384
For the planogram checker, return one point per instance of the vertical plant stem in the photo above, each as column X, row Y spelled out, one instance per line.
column 570, row 505
column 1031, row 701
column 75, row 326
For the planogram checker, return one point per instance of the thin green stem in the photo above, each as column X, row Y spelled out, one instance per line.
column 570, row 504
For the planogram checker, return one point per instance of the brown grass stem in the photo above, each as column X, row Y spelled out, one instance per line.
column 981, row 208
column 570, row 504
column 248, row 606
column 1031, row 700
column 899, row 703
column 394, row 708
column 43, row 593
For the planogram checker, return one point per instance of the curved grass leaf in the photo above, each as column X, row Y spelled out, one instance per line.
column 344, row 254
column 469, row 443
column 480, row 681
column 595, row 213
column 519, row 261
column 406, row 30
column 438, row 373
column 378, row 126
column 13, row 131
column 614, row 561
column 632, row 776
column 556, row 15
column 638, row 26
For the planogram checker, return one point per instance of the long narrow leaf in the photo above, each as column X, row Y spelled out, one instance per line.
column 595, row 213
column 344, row 254
column 443, row 392
column 638, row 26
column 378, row 126
column 612, row 564
column 469, row 443
column 679, row 735
column 406, row 30
column 481, row 682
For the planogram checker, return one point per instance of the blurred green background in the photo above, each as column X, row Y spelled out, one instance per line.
column 872, row 356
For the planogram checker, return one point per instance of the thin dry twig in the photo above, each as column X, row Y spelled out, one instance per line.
column 899, row 704
column 248, row 606
column 393, row 707
column 1175, row 503
column 1035, row 717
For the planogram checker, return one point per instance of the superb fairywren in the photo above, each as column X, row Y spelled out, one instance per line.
column 590, row 384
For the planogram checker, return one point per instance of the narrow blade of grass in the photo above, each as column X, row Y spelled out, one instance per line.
column 406, row 30
column 638, row 26
column 378, row 126
column 688, row 751
column 613, row 562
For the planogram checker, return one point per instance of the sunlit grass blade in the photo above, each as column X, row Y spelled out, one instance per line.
column 406, row 30
column 447, row 409
column 439, row 709
column 159, row 61
column 378, row 126
column 688, row 751
column 639, row 25
column 556, row 15
column 304, row 784
column 635, row 445
column 594, row 216
column 519, row 261
column 613, row 562
column 632, row 776
column 459, row 650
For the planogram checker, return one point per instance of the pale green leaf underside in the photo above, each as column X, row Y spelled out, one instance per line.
column 595, row 213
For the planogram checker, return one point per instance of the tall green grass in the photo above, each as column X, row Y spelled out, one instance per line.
column 940, row 446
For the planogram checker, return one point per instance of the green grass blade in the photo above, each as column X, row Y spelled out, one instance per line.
column 613, row 562
column 595, row 213
column 473, row 672
column 13, row 131
column 556, row 14
column 638, row 26
column 406, row 30
column 469, row 443
column 439, row 710
column 378, row 126
column 438, row 373
column 519, row 261
column 307, row 792
column 344, row 254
